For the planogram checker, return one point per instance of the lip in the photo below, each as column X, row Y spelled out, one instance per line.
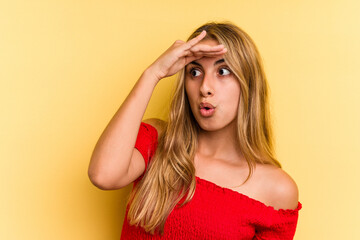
column 206, row 112
column 206, row 104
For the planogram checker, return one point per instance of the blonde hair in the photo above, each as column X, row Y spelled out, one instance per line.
column 170, row 176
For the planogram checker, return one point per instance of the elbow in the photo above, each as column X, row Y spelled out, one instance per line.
column 95, row 177
column 98, row 181
column 102, row 182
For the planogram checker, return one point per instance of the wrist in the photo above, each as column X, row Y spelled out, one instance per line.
column 152, row 73
column 150, row 76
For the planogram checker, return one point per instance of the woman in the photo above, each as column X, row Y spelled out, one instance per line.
column 209, row 172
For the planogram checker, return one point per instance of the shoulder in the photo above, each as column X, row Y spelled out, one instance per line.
column 281, row 190
column 157, row 123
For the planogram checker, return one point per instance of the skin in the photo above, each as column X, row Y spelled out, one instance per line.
column 178, row 55
column 218, row 158
column 210, row 80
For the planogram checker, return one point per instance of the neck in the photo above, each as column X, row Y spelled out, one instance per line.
column 219, row 144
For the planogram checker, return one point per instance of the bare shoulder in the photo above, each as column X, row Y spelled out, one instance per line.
column 157, row 123
column 282, row 191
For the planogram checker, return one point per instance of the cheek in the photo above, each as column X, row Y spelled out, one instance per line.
column 186, row 84
column 232, row 98
column 190, row 90
column 188, row 94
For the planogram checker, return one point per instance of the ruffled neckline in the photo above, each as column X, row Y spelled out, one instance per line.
column 212, row 186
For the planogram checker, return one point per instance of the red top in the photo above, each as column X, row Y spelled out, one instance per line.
column 214, row 212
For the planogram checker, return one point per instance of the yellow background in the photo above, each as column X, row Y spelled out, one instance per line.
column 66, row 67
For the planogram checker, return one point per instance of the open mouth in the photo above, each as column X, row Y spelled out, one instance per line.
column 207, row 112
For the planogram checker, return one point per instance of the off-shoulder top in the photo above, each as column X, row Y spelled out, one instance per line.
column 214, row 212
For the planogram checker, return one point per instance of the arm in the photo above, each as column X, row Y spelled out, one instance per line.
column 114, row 152
column 281, row 219
column 111, row 156
column 283, row 226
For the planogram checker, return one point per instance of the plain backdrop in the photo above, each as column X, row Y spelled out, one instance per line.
column 66, row 67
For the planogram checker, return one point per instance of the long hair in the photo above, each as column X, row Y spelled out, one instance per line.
column 170, row 181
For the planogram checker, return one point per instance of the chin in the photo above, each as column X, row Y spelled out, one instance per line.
column 208, row 125
column 211, row 125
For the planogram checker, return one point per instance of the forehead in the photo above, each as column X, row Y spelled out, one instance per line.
column 208, row 60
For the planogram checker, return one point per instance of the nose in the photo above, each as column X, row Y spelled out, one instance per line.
column 205, row 88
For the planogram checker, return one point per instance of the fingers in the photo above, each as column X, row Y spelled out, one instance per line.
column 211, row 54
column 197, row 55
column 191, row 58
column 204, row 50
column 193, row 47
column 195, row 40
column 208, row 50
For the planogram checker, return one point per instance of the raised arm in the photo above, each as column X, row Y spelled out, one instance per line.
column 114, row 152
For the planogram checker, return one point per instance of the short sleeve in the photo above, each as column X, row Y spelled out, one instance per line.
column 280, row 225
column 146, row 142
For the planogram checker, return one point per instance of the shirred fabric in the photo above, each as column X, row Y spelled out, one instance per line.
column 214, row 212
column 146, row 142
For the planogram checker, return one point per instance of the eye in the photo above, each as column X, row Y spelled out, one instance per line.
column 194, row 72
column 224, row 71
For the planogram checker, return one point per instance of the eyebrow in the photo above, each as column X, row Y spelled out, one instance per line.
column 217, row 62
